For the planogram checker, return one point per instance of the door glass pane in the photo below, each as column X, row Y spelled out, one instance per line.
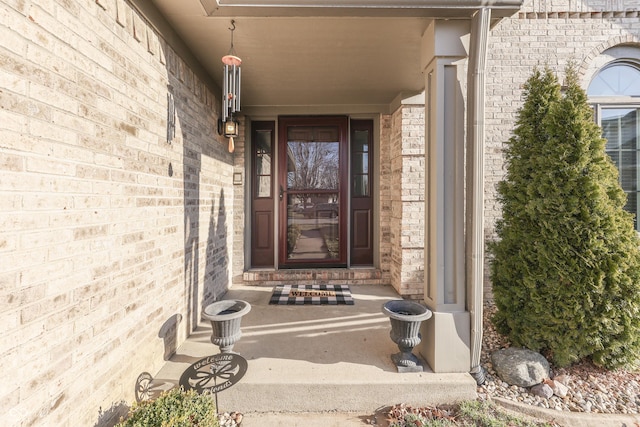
column 313, row 226
column 313, row 171
column 312, row 165
column 262, row 160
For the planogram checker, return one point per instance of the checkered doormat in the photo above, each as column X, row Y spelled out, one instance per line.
column 311, row 294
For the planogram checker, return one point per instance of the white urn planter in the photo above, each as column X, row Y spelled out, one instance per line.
column 225, row 317
column 406, row 318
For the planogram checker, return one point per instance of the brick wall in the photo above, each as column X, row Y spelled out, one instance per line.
column 407, row 178
column 544, row 33
column 111, row 238
column 239, row 217
column 385, row 197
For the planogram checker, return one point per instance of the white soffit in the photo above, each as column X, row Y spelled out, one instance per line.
column 347, row 61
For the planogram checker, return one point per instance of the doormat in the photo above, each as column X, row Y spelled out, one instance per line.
column 311, row 294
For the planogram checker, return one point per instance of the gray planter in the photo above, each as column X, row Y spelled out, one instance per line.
column 406, row 318
column 225, row 317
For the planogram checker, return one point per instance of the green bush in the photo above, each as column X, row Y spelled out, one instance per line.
column 566, row 266
column 174, row 408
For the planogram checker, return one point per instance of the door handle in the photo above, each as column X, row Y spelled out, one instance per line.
column 281, row 192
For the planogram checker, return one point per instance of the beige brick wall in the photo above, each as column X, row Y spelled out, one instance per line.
column 109, row 235
column 407, row 169
column 540, row 36
column 385, row 196
column 238, row 220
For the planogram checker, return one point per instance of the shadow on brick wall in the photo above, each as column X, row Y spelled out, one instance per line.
column 169, row 334
column 112, row 416
column 217, row 258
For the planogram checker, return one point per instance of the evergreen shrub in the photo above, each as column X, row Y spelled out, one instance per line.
column 566, row 264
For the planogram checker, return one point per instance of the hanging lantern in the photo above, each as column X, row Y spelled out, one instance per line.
column 230, row 93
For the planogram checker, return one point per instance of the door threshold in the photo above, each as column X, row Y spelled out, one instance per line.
column 359, row 275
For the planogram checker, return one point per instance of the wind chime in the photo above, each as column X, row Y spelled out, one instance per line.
column 228, row 125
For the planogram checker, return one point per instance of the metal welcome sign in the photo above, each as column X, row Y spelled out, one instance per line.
column 214, row 373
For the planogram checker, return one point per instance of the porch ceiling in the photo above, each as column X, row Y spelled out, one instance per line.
column 340, row 58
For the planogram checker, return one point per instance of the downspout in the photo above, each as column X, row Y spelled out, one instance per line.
column 475, row 183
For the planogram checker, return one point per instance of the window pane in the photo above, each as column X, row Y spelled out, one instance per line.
column 361, row 141
column 628, row 171
column 263, row 186
column 618, row 79
column 263, row 164
column 360, row 163
column 629, row 130
column 611, row 127
column 361, row 186
column 615, row 157
column 632, row 206
column 263, row 143
column 620, row 128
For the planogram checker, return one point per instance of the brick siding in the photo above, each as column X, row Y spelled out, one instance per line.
column 407, row 203
column 544, row 33
column 111, row 238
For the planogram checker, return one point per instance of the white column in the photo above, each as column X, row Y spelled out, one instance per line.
column 446, row 335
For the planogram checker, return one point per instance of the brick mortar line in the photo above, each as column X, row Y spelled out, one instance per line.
column 580, row 15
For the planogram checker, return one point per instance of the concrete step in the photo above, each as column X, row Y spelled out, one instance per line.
column 331, row 276
column 317, row 359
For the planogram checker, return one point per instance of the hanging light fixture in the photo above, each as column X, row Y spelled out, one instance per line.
column 227, row 124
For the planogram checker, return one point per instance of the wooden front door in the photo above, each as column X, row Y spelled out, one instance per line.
column 323, row 192
column 312, row 191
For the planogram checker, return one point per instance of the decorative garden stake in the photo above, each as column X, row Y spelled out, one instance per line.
column 225, row 317
column 406, row 317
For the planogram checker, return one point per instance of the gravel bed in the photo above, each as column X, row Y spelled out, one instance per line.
column 591, row 389
column 230, row 419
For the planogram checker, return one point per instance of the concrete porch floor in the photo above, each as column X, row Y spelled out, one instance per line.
column 317, row 359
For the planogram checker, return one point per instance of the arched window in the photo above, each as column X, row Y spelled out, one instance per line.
column 617, row 79
column 614, row 93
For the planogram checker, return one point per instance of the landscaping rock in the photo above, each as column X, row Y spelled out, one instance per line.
column 542, row 390
column 520, row 366
column 558, row 388
column 583, row 395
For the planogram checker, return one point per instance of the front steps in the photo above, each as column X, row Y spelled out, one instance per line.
column 317, row 358
column 316, row 276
